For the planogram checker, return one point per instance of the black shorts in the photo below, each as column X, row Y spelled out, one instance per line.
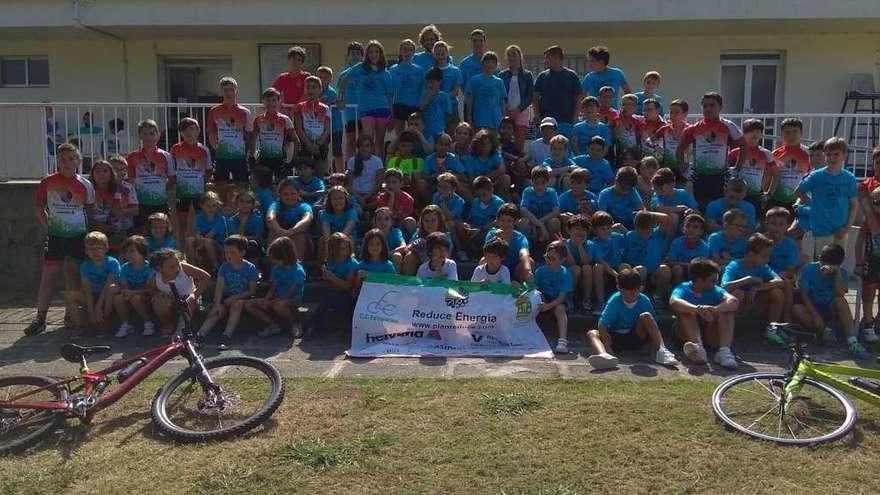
column 399, row 111
column 627, row 341
column 237, row 167
column 872, row 263
column 350, row 126
column 58, row 249
column 708, row 188
column 303, row 156
column 185, row 204
column 145, row 211
column 280, row 169
column 336, row 140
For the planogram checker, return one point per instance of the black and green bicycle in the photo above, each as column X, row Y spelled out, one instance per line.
column 804, row 406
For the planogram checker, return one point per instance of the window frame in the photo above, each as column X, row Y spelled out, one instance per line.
column 27, row 76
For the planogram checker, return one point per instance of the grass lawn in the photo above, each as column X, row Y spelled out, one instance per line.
column 452, row 436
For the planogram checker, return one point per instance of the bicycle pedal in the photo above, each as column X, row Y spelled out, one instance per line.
column 864, row 383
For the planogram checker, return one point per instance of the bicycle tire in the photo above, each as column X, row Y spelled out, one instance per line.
column 849, row 412
column 55, row 418
column 177, row 432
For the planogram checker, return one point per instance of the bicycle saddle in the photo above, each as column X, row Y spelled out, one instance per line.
column 74, row 353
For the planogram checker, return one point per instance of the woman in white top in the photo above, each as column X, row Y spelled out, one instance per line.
column 189, row 281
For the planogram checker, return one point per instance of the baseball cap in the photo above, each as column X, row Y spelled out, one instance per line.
column 548, row 121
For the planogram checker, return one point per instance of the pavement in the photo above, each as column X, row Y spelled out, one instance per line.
column 322, row 355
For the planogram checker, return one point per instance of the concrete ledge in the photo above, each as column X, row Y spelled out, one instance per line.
column 21, row 238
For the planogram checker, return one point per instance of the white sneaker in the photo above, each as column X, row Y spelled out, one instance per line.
column 149, row 328
column 665, row 357
column 725, row 358
column 602, row 361
column 694, row 352
column 562, row 346
column 124, row 330
column 869, row 335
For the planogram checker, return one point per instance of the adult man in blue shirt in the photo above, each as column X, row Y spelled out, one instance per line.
column 602, row 75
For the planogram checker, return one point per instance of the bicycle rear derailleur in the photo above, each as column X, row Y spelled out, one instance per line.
column 79, row 404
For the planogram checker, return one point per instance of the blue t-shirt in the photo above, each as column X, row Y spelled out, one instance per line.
column 517, row 243
column 215, row 226
column 736, row 270
column 329, row 97
column 97, row 273
column 567, row 203
column 601, row 174
column 344, row 268
column 438, row 107
column 585, row 131
column 289, row 215
column 609, row 250
column 488, row 93
column 646, row 252
column 384, row 266
column 451, row 79
column 803, row 217
column 552, row 284
column 314, row 185
column 285, row 278
column 830, row 195
column 136, row 278
column 394, row 239
column 679, row 250
column 353, row 73
column 539, row 205
column 155, row 245
column 820, row 287
column 237, row 280
column 374, row 89
column 711, row 297
column 717, row 208
column 718, row 244
column 679, row 197
column 785, row 255
column 640, row 105
column 620, row 319
column 337, row 221
column 452, row 164
column 483, row 166
column 550, row 163
column 455, row 204
column 575, row 252
column 621, row 208
column 265, row 198
column 471, row 66
column 253, row 225
column 427, row 60
column 408, row 81
column 611, row 76
column 482, row 214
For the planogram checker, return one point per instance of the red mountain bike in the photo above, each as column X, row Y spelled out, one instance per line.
column 213, row 399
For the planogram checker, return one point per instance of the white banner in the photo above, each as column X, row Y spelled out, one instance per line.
column 398, row 316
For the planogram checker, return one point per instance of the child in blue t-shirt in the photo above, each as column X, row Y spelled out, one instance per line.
column 577, row 200
column 540, row 207
column 645, row 251
column 340, row 271
column 452, row 208
column 99, row 274
column 286, row 282
column 384, row 221
column 311, row 186
column 686, row 248
column 236, row 283
column 248, row 222
column 622, row 200
column 480, row 216
column 752, row 281
column 578, row 258
column 133, row 278
column 289, row 216
column 374, row 258
column 628, row 321
column 702, row 304
column 485, row 95
column 329, row 97
column 785, row 258
column 435, row 103
column 518, row 260
column 730, row 242
column 601, row 174
column 554, row 281
column 209, row 232
column 485, row 159
column 337, row 216
column 670, row 200
column 160, row 235
column 559, row 163
column 442, row 160
column 583, row 132
column 606, row 253
column 650, row 83
column 261, row 184
column 734, row 197
column 823, row 286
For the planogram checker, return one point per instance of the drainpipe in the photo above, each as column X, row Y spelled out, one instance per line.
column 79, row 24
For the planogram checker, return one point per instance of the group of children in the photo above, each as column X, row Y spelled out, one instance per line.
column 611, row 206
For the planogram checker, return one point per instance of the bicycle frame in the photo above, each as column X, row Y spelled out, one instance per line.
column 90, row 379
column 823, row 372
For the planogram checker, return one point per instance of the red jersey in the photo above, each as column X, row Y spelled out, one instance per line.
column 666, row 140
column 315, row 118
column 629, row 130
column 868, row 185
column 149, row 171
column 649, row 128
column 191, row 166
column 792, row 165
column 710, row 141
column 608, row 116
column 292, row 87
column 757, row 164
column 66, row 199
column 272, row 132
column 227, row 128
column 403, row 206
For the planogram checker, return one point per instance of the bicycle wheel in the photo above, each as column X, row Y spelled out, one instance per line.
column 21, row 428
column 751, row 404
column 250, row 390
